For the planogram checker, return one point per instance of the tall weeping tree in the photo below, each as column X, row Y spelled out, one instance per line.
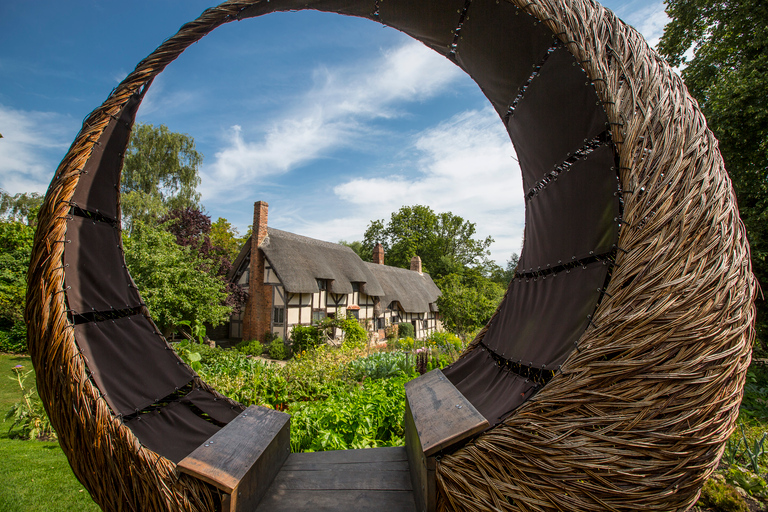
column 161, row 172
column 728, row 75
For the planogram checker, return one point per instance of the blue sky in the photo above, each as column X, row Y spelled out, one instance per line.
column 334, row 121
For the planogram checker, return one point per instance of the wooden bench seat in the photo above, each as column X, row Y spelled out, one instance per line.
column 243, row 458
column 437, row 417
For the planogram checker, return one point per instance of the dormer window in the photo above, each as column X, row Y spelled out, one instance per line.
column 322, row 284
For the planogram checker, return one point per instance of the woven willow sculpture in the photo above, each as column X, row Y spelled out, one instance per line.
column 635, row 418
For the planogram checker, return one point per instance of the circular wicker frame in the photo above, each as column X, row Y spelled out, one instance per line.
column 636, row 419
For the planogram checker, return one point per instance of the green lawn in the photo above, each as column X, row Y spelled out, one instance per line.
column 36, row 475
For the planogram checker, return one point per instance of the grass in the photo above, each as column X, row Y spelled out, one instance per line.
column 36, row 475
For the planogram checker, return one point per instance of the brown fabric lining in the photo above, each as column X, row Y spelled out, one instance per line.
column 430, row 21
column 540, row 319
column 95, row 275
column 173, row 431
column 492, row 390
column 98, row 187
column 498, row 47
column 346, row 7
column 558, row 113
column 218, row 409
column 131, row 365
column 573, row 215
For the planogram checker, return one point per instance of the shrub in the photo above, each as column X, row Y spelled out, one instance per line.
column 355, row 335
column 405, row 343
column 446, row 341
column 304, row 337
column 250, row 347
column 405, row 330
column 278, row 350
column 14, row 340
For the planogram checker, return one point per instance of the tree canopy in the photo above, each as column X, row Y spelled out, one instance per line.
column 171, row 279
column 21, row 207
column 728, row 76
column 443, row 241
column 160, row 172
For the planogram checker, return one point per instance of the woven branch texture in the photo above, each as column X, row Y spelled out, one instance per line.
column 638, row 416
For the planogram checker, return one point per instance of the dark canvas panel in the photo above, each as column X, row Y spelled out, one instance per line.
column 173, row 431
column 557, row 115
column 98, row 187
column 95, row 273
column 347, row 7
column 131, row 365
column 498, row 47
column 432, row 22
column 492, row 390
column 574, row 215
column 217, row 408
column 539, row 320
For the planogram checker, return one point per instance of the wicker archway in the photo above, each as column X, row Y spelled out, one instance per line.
column 636, row 414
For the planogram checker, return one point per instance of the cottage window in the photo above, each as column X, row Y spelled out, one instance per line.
column 355, row 313
column 278, row 316
column 355, row 287
column 318, row 315
column 322, row 284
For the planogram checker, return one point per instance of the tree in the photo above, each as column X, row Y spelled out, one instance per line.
column 504, row 275
column 728, row 75
column 468, row 301
column 362, row 250
column 160, row 173
column 15, row 249
column 192, row 229
column 443, row 241
column 171, row 281
column 22, row 207
column 226, row 237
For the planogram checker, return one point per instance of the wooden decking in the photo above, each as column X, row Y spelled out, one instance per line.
column 372, row 480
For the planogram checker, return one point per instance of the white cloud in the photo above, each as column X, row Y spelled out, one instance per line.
column 33, row 143
column 331, row 115
column 649, row 21
column 465, row 166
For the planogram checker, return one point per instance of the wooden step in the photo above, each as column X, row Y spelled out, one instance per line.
column 371, row 480
column 242, row 458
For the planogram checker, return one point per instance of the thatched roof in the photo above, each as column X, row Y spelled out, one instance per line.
column 413, row 290
column 299, row 261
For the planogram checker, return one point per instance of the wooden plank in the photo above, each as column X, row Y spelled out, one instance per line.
column 349, row 456
column 247, row 441
column 396, row 465
column 340, row 477
column 337, row 501
column 422, row 468
column 441, row 415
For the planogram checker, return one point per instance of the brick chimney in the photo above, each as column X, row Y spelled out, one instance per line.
column 378, row 254
column 258, row 309
column 416, row 264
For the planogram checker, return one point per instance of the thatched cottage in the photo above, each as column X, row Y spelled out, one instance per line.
column 293, row 279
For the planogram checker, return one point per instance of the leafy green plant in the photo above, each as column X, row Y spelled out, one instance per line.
column 406, row 330
column 196, row 329
column 278, row 350
column 305, row 337
column 189, row 355
column 380, row 365
column 250, row 347
column 754, row 484
column 753, row 450
column 28, row 415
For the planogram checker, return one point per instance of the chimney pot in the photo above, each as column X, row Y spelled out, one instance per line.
column 416, row 264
